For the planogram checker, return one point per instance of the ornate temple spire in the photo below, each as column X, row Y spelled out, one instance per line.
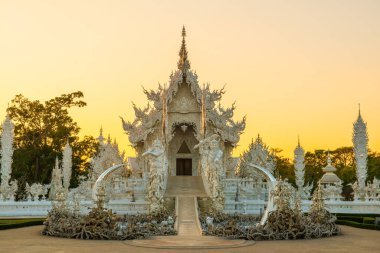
column 67, row 165
column 299, row 166
column 6, row 151
column 360, row 143
column 183, row 63
column 101, row 138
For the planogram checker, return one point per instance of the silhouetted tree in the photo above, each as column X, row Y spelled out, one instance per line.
column 41, row 131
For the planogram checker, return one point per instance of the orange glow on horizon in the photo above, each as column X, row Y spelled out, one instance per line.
column 294, row 68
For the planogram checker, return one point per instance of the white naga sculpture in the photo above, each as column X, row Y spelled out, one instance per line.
column 360, row 142
column 7, row 190
column 299, row 166
column 212, row 168
column 35, row 190
column 157, row 176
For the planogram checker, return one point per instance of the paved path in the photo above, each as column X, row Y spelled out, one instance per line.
column 30, row 240
column 187, row 217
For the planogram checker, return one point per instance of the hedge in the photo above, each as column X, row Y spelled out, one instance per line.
column 19, row 223
column 352, row 218
column 357, row 225
column 369, row 220
column 357, row 214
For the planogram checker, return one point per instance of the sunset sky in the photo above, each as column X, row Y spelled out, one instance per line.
column 293, row 67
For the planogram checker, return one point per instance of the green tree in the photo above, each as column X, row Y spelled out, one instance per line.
column 41, row 131
column 284, row 167
column 314, row 162
column 373, row 166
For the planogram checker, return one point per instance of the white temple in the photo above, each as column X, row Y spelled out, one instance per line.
column 196, row 133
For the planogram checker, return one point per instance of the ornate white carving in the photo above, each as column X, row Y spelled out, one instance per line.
column 35, row 190
column 67, row 165
column 6, row 158
column 299, row 166
column 258, row 153
column 330, row 182
column 333, row 191
column 158, row 175
column 56, row 180
column 219, row 119
column 107, row 156
column 360, row 142
column 373, row 190
column 213, row 169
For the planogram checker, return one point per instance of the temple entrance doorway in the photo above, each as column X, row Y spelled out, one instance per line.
column 184, row 167
column 183, row 159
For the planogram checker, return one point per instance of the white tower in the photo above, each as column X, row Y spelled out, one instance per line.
column 6, row 152
column 360, row 143
column 67, row 165
column 299, row 166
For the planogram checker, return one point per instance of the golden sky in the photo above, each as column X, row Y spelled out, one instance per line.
column 293, row 67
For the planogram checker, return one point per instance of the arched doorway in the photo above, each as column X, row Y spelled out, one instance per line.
column 183, row 159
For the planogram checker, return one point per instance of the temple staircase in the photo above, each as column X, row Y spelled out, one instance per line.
column 186, row 189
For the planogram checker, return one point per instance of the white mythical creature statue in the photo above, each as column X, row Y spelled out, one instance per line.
column 158, row 175
column 373, row 190
column 212, row 168
column 35, row 190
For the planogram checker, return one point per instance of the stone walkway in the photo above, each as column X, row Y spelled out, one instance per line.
column 187, row 217
column 30, row 240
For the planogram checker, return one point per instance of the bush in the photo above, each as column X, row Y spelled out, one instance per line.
column 19, row 223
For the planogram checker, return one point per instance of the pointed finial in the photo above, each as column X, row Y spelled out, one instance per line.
column 328, row 158
column 299, row 144
column 101, row 138
column 359, row 109
column 109, row 139
column 258, row 137
column 183, row 63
